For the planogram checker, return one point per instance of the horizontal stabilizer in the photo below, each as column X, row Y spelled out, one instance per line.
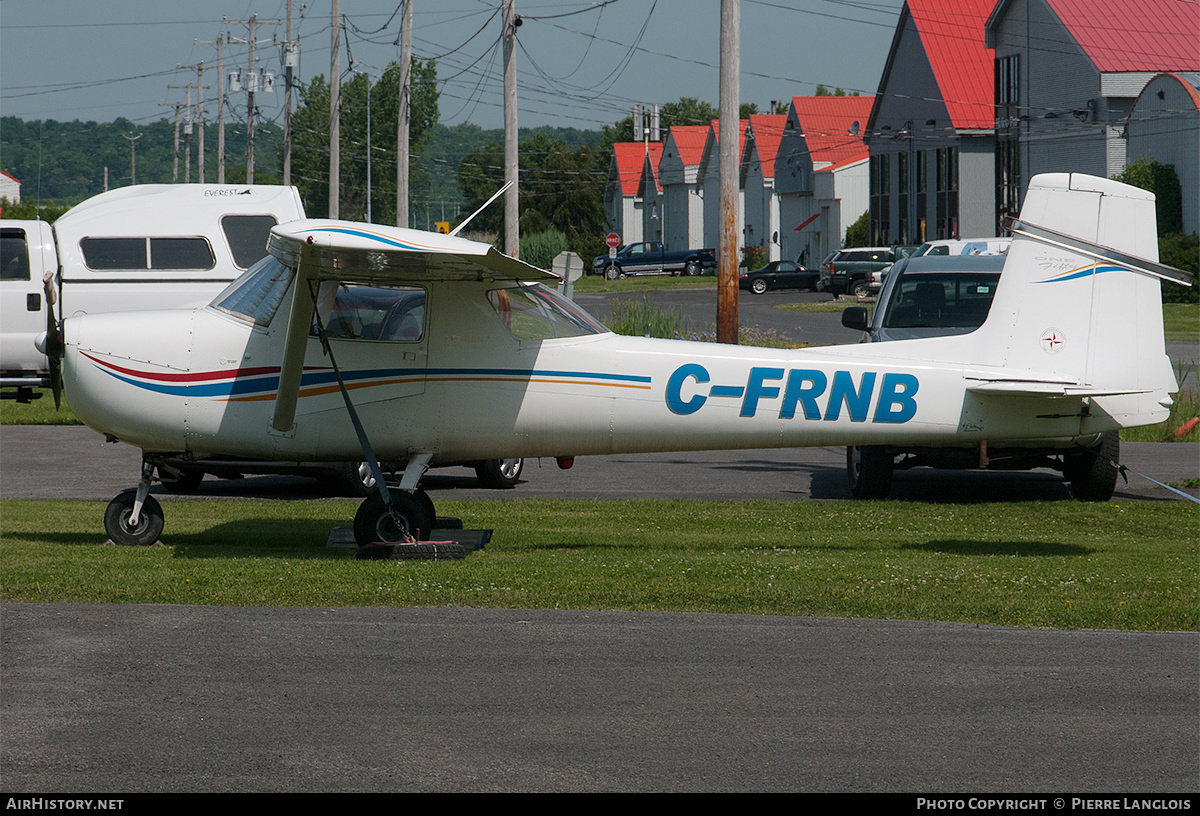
column 1034, row 388
column 371, row 253
column 1099, row 252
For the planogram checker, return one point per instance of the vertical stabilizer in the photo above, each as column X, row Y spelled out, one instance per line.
column 1080, row 302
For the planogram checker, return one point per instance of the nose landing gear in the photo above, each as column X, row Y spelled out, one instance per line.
column 135, row 518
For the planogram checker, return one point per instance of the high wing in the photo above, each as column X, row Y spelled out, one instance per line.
column 369, row 253
column 322, row 249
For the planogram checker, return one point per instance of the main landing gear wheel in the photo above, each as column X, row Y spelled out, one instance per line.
column 500, row 474
column 120, row 527
column 355, row 480
column 1093, row 473
column 408, row 519
column 869, row 471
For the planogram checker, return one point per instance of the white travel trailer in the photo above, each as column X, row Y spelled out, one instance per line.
column 151, row 246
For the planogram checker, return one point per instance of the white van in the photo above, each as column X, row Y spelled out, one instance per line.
column 152, row 246
column 964, row 246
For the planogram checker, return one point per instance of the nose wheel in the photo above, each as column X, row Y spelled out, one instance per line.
column 130, row 528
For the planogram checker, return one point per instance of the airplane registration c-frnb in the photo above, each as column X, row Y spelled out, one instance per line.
column 361, row 342
column 896, row 402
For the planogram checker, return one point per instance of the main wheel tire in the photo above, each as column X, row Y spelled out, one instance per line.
column 118, row 515
column 408, row 519
column 1093, row 473
column 612, row 272
column 859, row 288
column 758, row 286
column 355, row 480
column 869, row 471
column 691, row 269
column 500, row 474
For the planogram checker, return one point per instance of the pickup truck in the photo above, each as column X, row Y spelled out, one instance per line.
column 652, row 258
column 845, row 272
column 148, row 246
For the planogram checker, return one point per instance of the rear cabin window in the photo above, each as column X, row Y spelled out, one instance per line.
column 14, row 255
column 247, row 237
column 536, row 312
column 103, row 254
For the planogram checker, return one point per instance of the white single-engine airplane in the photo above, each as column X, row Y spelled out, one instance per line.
column 355, row 341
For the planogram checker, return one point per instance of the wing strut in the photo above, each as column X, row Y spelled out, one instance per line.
column 368, row 451
column 296, row 341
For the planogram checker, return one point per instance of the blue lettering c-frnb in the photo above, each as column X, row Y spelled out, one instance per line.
column 675, row 399
column 896, row 398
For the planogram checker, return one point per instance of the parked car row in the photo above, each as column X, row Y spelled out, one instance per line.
column 779, row 275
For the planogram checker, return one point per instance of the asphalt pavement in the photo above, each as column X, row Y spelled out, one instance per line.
column 124, row 698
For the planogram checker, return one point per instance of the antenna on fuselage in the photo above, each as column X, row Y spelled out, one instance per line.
column 497, row 194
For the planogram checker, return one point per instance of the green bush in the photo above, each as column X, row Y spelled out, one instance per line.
column 643, row 319
column 1181, row 251
column 753, row 257
column 858, row 234
column 541, row 248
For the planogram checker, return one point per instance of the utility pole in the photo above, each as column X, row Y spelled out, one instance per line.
column 368, row 78
column 512, row 235
column 199, row 118
column 727, row 156
column 290, row 52
column 132, row 137
column 220, row 109
column 402, row 125
column 251, row 87
column 200, row 121
column 187, row 137
column 335, row 106
column 176, row 106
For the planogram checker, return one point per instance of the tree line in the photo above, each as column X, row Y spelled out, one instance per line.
column 563, row 171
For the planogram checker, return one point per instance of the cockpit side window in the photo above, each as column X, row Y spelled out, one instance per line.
column 536, row 312
column 355, row 311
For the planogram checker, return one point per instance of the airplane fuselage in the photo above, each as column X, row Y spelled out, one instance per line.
column 468, row 388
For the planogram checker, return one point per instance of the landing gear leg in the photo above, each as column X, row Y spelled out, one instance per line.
column 134, row 517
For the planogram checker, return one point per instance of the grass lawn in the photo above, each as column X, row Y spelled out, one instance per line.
column 1133, row 566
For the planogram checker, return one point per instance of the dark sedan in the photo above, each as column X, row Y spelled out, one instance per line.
column 779, row 275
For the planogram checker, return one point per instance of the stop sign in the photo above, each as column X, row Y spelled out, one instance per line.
column 612, row 240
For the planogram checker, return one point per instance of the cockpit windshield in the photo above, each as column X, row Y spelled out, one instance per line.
column 256, row 295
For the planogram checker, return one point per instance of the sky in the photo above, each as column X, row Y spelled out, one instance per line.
column 580, row 63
